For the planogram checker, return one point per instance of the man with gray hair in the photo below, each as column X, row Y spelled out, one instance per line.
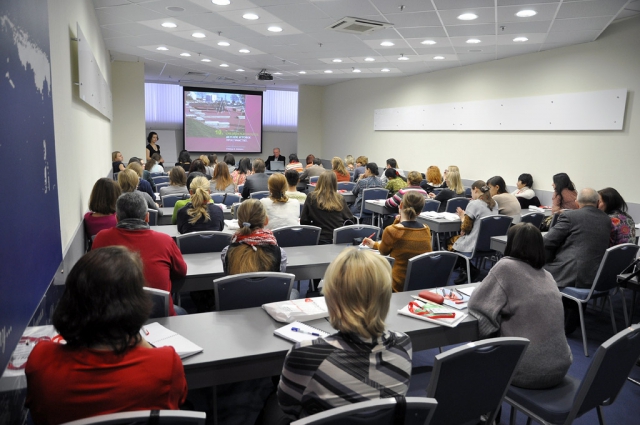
column 258, row 181
column 576, row 244
column 161, row 258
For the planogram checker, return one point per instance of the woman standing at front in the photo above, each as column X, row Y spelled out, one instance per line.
column 152, row 147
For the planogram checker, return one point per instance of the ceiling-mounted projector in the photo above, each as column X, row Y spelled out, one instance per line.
column 263, row 75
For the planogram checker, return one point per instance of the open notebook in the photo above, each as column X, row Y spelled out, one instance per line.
column 304, row 333
column 159, row 336
column 435, row 313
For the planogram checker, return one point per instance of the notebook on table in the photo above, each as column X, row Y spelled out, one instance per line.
column 159, row 336
column 304, row 332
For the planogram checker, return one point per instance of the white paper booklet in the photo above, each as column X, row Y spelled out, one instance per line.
column 298, row 332
column 444, row 215
column 302, row 310
column 435, row 310
column 159, row 336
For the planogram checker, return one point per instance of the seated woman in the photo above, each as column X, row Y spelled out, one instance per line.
column 394, row 181
column 205, row 162
column 182, row 202
column 200, row 214
column 524, row 185
column 281, row 210
column 230, row 160
column 184, row 160
column 452, row 189
column 405, row 239
column 449, row 169
column 102, row 207
column 349, row 163
column 507, row 203
column 564, row 194
column 222, row 181
column 213, row 161
column 253, row 248
column 319, row 375
column 342, row 175
column 143, row 185
column 413, row 179
column 239, row 175
column 623, row 228
column 128, row 181
column 116, row 164
column 177, row 183
column 516, row 290
column 159, row 167
column 105, row 366
column 326, row 208
column 198, row 165
column 294, row 163
column 433, row 179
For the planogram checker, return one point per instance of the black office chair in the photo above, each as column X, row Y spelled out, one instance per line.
column 430, row 270
column 526, row 203
column 145, row 417
column 494, row 225
column 297, row 235
column 431, row 205
column 534, row 218
column 247, row 290
column 454, row 203
column 160, row 300
column 199, row 242
column 160, row 179
column 346, row 234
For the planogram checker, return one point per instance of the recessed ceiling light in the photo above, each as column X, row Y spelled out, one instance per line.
column 198, row 35
column 386, row 44
column 274, row 29
column 205, row 60
column 520, row 39
column 438, row 58
column 356, row 70
column 250, row 16
column 224, row 65
column 337, row 60
column 473, row 41
column 221, row 2
column 240, row 70
column 385, row 70
column 526, row 13
column 468, row 17
column 277, row 73
column 161, row 48
column 328, row 71
column 185, row 54
column 429, row 42
column 403, row 58
column 302, row 72
column 223, row 43
column 244, row 51
column 169, row 25
column 369, row 59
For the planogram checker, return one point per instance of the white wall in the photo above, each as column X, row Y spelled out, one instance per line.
column 591, row 158
column 310, row 118
column 128, row 132
column 83, row 135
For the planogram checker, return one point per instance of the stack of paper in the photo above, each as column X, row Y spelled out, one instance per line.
column 159, row 336
column 301, row 310
column 298, row 332
column 435, row 310
column 445, row 215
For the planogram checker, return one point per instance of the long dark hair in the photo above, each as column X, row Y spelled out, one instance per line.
column 244, row 166
column 486, row 195
column 498, row 181
column 612, row 200
column 562, row 182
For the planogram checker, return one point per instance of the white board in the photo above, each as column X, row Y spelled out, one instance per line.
column 94, row 89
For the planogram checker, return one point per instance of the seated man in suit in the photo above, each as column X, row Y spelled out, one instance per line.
column 160, row 255
column 575, row 246
column 257, row 182
column 315, row 170
column 275, row 157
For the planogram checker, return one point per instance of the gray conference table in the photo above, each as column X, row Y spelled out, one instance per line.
column 499, row 243
column 167, row 213
column 173, row 230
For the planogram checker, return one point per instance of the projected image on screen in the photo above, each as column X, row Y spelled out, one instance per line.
column 222, row 121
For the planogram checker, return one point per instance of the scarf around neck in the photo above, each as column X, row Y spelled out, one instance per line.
column 258, row 237
column 133, row 224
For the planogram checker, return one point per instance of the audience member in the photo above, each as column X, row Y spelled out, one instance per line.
column 152, row 147
column 524, row 187
column 392, row 163
column 433, row 179
column 393, row 181
column 326, row 208
column 623, row 228
column 213, row 161
column 293, row 177
column 240, row 174
column 102, row 207
column 449, row 169
column 184, row 160
column 105, row 366
column 309, row 160
column 368, row 180
column 361, row 161
column 143, row 174
column 315, row 170
column 452, row 189
column 198, row 165
column 349, row 163
column 507, row 203
column 406, row 238
column 275, row 157
column 222, row 181
column 564, row 193
column 414, row 180
column 182, row 202
column 160, row 255
column 116, row 164
column 143, row 185
column 516, row 290
column 342, row 175
column 230, row 160
column 200, row 214
column 257, row 182
column 281, row 210
column 576, row 244
column 159, row 167
column 128, row 181
column 294, row 163
column 177, row 183
column 207, row 167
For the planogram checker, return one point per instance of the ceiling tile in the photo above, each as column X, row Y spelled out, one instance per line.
column 462, row 4
column 521, row 27
column 425, row 32
column 410, row 6
column 340, row 8
column 575, row 37
column 485, row 16
column 132, row 12
column 581, row 24
column 524, row 2
column 471, row 30
column 590, row 8
column 414, row 19
column 302, row 11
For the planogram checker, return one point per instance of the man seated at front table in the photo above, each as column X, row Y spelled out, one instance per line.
column 275, row 157
column 314, row 171
column 258, row 181
column 160, row 255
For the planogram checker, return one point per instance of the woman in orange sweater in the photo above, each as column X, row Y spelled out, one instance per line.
column 405, row 239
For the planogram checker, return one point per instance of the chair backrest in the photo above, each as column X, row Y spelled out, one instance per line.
column 534, row 218
column 437, row 190
column 217, row 197
column 144, row 417
column 467, row 192
column 314, row 179
column 153, row 217
column 169, row 201
column 160, row 179
column 430, row 270
column 160, row 301
column 371, row 194
column 348, row 186
column 419, row 411
column 198, row 242
column 247, row 290
column 615, row 260
column 297, row 235
column 608, row 371
column 157, row 174
column 230, row 199
column 526, row 203
column 345, row 234
column 240, row 187
column 454, row 203
column 471, row 380
column 431, row 205
column 259, row 195
column 493, row 225
column 160, row 186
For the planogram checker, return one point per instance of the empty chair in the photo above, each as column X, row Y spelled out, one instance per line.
column 348, row 186
column 259, row 195
column 615, row 260
column 526, row 203
column 454, row 203
column 472, row 380
column 247, row 290
column 534, row 218
column 160, row 179
column 169, row 201
column 144, row 417
column 368, row 195
column 431, row 205
column 153, row 217
column 299, row 235
column 160, row 301
column 198, row 242
column 430, row 270
column 313, row 179
column 416, row 411
column 346, row 234
column 572, row 398
column 227, row 199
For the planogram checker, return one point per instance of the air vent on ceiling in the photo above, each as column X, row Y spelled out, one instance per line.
column 196, row 74
column 358, row 25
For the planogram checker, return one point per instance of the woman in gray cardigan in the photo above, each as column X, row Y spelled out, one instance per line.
column 519, row 298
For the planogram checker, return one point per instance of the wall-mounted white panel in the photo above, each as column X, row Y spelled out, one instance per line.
column 599, row 110
column 94, row 89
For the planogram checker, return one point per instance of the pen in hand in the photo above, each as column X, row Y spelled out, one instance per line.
column 304, row 332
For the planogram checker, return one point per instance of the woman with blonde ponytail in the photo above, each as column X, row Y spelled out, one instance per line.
column 200, row 213
column 282, row 210
column 405, row 238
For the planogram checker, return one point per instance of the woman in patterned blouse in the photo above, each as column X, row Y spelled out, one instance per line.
column 623, row 228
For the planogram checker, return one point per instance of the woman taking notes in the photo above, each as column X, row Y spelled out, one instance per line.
column 200, row 213
column 405, row 239
column 281, row 210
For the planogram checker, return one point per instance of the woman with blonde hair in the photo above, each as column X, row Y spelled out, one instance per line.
column 206, row 162
column 200, row 213
column 405, row 239
column 318, row 374
column 454, row 189
column 116, row 161
column 282, row 210
column 326, row 208
column 342, row 175
column 143, row 185
column 128, row 181
column 433, row 179
column 253, row 248
column 177, row 183
column 222, row 182
column 349, row 162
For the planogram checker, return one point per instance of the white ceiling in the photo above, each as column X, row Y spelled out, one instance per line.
column 132, row 32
